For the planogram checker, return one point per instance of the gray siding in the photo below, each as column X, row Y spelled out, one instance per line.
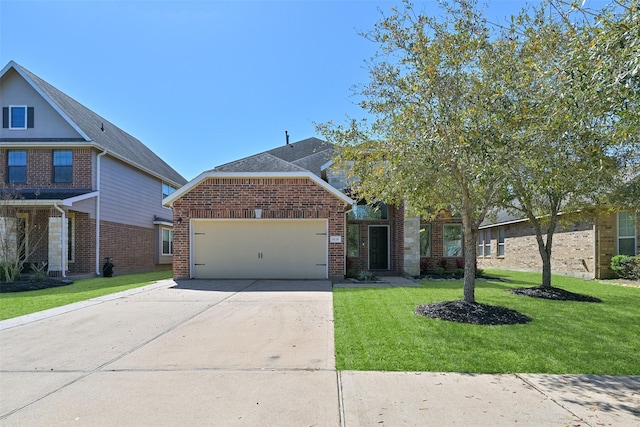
column 129, row 196
column 14, row 90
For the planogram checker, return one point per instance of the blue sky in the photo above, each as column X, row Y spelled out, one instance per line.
column 203, row 83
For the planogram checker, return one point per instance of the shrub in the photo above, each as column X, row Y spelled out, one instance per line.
column 367, row 276
column 626, row 267
column 9, row 271
column 460, row 263
column 424, row 266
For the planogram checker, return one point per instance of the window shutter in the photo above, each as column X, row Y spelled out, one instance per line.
column 5, row 117
column 29, row 117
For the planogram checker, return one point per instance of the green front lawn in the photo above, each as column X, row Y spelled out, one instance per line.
column 376, row 329
column 13, row 304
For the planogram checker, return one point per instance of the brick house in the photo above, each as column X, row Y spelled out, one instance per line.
column 78, row 188
column 583, row 249
column 284, row 213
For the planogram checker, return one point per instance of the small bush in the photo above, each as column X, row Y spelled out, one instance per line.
column 424, row 266
column 460, row 263
column 9, row 269
column 367, row 276
column 626, row 267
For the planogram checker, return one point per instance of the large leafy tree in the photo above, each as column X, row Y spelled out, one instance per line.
column 572, row 126
column 437, row 138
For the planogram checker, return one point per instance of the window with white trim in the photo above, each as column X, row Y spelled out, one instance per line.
column 627, row 243
column 17, row 117
column 501, row 241
column 167, row 241
column 484, row 242
column 167, row 189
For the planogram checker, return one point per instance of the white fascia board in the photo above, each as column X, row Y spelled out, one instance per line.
column 49, row 100
column 216, row 174
column 326, row 165
column 516, row 221
column 500, row 224
column 39, row 144
column 165, row 223
column 71, row 200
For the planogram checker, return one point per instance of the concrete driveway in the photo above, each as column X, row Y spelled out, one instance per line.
column 255, row 353
column 187, row 353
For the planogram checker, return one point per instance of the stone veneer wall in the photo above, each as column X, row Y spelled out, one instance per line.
column 239, row 197
column 412, row 246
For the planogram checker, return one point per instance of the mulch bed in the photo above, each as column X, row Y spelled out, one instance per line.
column 474, row 313
column 32, row 285
column 554, row 294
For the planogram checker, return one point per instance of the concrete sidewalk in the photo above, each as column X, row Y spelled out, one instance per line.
column 256, row 353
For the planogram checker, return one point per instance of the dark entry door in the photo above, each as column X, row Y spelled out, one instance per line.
column 378, row 248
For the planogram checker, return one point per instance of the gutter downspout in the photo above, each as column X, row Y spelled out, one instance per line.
column 63, row 245
column 98, row 210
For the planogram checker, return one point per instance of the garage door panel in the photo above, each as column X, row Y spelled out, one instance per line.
column 260, row 249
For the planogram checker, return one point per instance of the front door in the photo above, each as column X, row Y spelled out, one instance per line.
column 378, row 247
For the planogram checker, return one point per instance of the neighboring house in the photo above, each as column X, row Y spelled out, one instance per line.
column 89, row 189
column 284, row 213
column 583, row 249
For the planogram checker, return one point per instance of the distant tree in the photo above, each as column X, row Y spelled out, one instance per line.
column 572, row 128
column 437, row 139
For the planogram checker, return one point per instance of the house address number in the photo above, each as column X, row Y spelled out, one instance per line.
column 335, row 239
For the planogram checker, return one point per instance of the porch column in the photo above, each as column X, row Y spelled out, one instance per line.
column 57, row 244
column 412, row 246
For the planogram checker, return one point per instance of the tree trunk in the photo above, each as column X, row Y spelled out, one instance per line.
column 545, row 251
column 546, row 270
column 470, row 239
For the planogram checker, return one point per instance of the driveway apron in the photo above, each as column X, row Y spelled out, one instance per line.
column 188, row 353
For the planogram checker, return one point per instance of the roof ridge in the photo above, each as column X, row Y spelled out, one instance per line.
column 97, row 130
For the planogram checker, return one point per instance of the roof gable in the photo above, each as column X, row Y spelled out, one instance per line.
column 99, row 132
column 263, row 162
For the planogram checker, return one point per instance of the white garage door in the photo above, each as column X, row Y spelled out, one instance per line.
column 259, row 249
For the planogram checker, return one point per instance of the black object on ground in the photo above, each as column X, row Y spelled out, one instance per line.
column 475, row 313
column 553, row 293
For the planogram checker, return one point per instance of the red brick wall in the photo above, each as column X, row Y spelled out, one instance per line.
column 131, row 248
column 40, row 169
column 239, row 197
column 395, row 222
column 85, row 249
column 437, row 247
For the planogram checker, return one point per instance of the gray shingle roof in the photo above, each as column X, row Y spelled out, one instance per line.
column 307, row 155
column 116, row 141
column 263, row 162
